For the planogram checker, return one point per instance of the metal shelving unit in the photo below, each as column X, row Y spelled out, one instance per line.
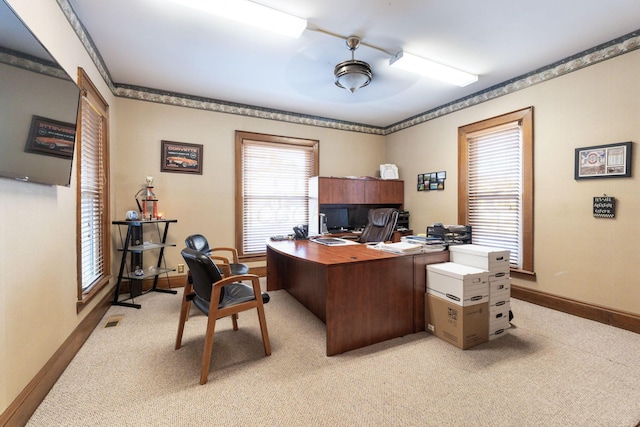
column 133, row 248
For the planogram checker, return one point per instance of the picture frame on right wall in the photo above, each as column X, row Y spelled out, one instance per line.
column 603, row 161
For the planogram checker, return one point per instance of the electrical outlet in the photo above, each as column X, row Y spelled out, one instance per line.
column 180, row 268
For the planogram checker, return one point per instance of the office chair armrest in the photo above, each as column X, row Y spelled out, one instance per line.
column 224, row 262
column 233, row 251
column 237, row 279
column 255, row 283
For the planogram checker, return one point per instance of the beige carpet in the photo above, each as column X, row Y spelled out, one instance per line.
column 551, row 369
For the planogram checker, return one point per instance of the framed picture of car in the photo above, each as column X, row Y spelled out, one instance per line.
column 181, row 157
column 51, row 137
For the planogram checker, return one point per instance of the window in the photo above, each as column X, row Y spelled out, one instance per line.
column 93, row 192
column 495, row 167
column 272, row 187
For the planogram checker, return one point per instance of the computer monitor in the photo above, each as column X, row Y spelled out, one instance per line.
column 337, row 218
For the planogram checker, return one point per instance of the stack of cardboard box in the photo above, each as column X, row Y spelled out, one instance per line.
column 468, row 299
column 496, row 262
column 457, row 304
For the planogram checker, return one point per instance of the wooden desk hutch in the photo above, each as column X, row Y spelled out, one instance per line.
column 326, row 192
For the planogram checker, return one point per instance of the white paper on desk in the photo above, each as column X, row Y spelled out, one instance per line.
column 333, row 241
column 400, row 247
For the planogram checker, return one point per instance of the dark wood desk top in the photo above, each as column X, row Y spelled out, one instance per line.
column 328, row 255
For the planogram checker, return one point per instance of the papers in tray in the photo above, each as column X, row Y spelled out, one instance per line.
column 431, row 244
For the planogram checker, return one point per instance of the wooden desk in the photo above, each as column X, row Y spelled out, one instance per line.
column 363, row 295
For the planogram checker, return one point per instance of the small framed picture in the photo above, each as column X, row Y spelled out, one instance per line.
column 181, row 157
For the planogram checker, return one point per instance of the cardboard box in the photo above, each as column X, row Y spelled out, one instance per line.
column 499, row 319
column 499, row 297
column 483, row 257
column 499, row 313
column 498, row 330
column 458, row 283
column 464, row 327
column 499, row 275
column 496, row 286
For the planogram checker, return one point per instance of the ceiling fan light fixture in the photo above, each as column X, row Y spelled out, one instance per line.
column 416, row 64
column 352, row 74
column 254, row 14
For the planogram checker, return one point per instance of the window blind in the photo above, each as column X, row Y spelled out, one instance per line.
column 275, row 190
column 92, row 207
column 495, row 186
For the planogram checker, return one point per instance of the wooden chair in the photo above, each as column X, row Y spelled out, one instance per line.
column 226, row 257
column 219, row 297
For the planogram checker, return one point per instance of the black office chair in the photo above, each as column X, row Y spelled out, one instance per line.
column 230, row 262
column 380, row 226
column 219, row 297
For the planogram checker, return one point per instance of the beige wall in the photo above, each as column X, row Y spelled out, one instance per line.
column 593, row 260
column 206, row 203
column 38, row 284
column 576, row 255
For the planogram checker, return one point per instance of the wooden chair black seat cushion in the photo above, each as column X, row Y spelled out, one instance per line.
column 218, row 297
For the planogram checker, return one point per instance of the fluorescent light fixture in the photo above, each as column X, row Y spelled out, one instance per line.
column 418, row 65
column 248, row 12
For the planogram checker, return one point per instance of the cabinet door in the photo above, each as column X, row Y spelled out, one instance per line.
column 352, row 191
column 336, row 191
column 384, row 192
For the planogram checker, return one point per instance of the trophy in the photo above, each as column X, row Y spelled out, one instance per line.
column 148, row 200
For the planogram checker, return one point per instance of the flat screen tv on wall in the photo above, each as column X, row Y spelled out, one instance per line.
column 38, row 108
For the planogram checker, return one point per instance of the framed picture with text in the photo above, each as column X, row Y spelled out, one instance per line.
column 603, row 161
column 181, row 157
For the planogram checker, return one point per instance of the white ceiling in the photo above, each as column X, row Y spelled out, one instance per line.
column 159, row 45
